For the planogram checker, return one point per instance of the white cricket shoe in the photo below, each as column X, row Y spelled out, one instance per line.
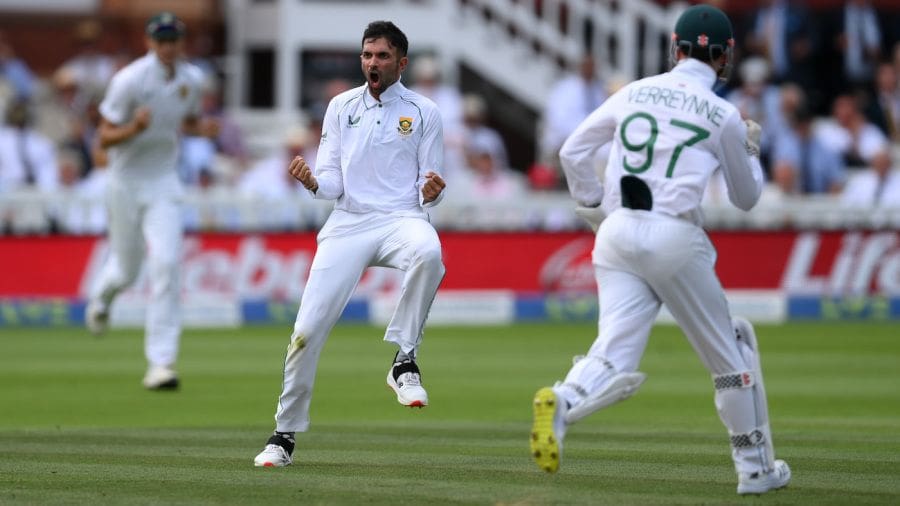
column 406, row 381
column 548, row 430
column 96, row 318
column 760, row 483
column 273, row 456
column 160, row 378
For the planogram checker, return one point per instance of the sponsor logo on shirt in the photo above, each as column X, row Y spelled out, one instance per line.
column 353, row 122
column 405, row 126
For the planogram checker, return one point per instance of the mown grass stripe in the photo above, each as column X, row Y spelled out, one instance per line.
column 76, row 428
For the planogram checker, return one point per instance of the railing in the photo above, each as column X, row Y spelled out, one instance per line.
column 519, row 45
column 31, row 212
column 628, row 37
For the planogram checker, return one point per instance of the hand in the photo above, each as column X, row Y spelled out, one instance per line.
column 141, row 119
column 209, row 128
column 433, row 187
column 594, row 216
column 301, row 172
column 754, row 131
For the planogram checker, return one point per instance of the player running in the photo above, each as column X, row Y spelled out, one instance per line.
column 147, row 104
column 670, row 133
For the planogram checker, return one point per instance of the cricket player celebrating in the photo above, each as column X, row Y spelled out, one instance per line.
column 670, row 133
column 146, row 104
column 378, row 158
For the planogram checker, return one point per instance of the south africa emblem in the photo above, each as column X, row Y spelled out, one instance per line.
column 405, row 126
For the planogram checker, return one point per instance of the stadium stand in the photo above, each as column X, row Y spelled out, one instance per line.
column 274, row 77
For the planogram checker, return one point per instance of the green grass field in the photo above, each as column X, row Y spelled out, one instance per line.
column 77, row 428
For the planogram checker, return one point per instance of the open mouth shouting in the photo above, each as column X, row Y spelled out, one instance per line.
column 374, row 79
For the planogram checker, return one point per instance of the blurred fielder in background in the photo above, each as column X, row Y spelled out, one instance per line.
column 146, row 105
column 378, row 157
column 670, row 133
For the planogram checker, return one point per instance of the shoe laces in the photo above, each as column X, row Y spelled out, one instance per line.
column 410, row 379
column 277, row 449
column 278, row 452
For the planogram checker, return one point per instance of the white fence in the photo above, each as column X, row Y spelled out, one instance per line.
column 30, row 212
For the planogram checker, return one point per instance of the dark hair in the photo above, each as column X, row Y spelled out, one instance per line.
column 389, row 31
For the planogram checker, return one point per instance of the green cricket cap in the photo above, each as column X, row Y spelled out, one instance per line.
column 703, row 26
column 165, row 26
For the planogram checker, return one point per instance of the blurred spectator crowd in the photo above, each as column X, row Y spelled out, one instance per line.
column 825, row 88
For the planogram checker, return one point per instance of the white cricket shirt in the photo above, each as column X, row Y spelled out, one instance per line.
column 148, row 159
column 671, row 131
column 373, row 157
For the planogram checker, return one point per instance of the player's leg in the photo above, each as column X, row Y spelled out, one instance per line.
column 336, row 269
column 697, row 301
column 411, row 245
column 164, row 236
column 608, row 373
column 628, row 308
column 126, row 252
column 780, row 475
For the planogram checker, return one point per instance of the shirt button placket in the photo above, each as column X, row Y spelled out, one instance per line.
column 379, row 132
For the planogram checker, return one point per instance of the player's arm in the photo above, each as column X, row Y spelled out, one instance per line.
column 739, row 156
column 431, row 160
column 578, row 153
column 329, row 181
column 111, row 134
column 99, row 156
column 122, row 117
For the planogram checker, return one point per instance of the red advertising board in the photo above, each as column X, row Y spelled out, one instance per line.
column 275, row 265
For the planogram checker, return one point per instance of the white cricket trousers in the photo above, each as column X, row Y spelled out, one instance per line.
column 155, row 227
column 642, row 260
column 408, row 244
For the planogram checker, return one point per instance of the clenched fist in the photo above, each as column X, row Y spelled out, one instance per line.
column 433, row 187
column 303, row 173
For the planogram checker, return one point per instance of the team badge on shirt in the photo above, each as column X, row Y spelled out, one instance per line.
column 405, row 126
column 183, row 91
